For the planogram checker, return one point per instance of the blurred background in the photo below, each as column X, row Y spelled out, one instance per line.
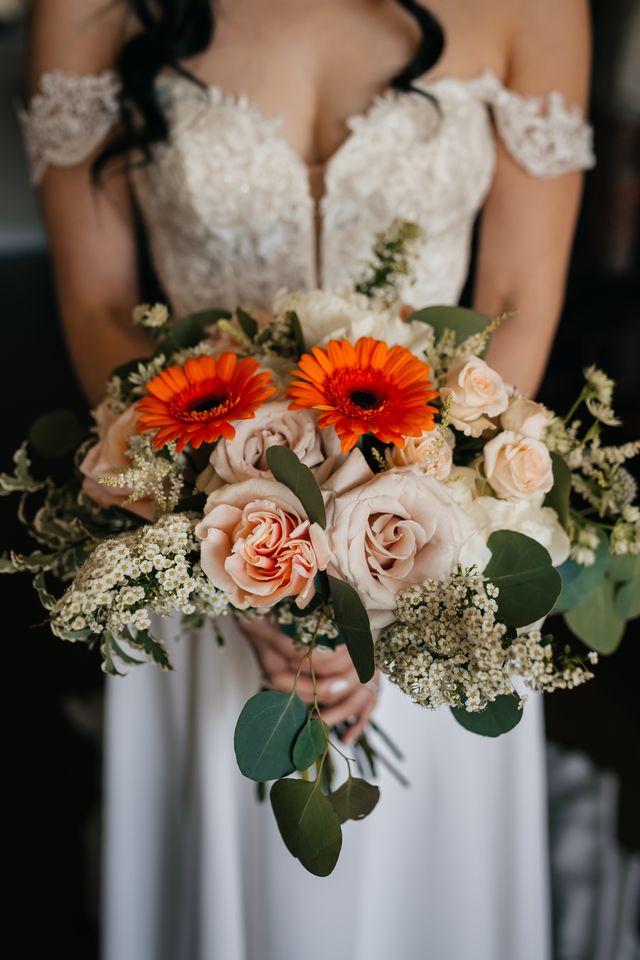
column 54, row 690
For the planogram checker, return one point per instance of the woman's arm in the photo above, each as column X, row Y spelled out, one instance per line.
column 528, row 223
column 90, row 227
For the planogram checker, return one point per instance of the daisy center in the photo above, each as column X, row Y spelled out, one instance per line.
column 366, row 399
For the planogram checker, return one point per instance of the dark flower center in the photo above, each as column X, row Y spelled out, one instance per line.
column 207, row 404
column 365, row 399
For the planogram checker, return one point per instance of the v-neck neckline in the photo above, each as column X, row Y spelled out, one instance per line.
column 241, row 101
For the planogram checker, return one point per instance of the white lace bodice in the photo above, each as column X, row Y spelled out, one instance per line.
column 227, row 202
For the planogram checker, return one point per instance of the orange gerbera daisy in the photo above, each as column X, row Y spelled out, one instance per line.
column 196, row 402
column 365, row 388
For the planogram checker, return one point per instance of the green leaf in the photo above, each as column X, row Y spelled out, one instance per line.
column 498, row 717
column 558, row 496
column 579, row 581
column 189, row 331
column 354, row 799
column 625, row 568
column 287, row 468
column 310, row 743
column 596, row 621
column 628, row 593
column 296, row 332
column 265, row 734
column 248, row 325
column 463, row 322
column 21, row 480
column 522, row 570
column 56, row 434
column 308, row 824
column 154, row 650
column 353, row 622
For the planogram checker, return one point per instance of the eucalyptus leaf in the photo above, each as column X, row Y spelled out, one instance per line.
column 625, row 568
column 189, row 331
column 353, row 622
column 248, row 324
column 296, row 332
column 265, row 733
column 498, row 717
column 522, row 570
column 310, row 743
column 578, row 581
column 558, row 496
column 628, row 599
column 287, row 468
column 464, row 323
column 56, row 434
column 308, row 824
column 354, row 799
column 596, row 621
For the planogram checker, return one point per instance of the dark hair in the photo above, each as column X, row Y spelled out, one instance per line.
column 174, row 30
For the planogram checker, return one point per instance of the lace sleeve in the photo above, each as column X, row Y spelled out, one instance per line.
column 543, row 134
column 68, row 118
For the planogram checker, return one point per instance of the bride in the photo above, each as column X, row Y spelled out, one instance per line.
column 263, row 144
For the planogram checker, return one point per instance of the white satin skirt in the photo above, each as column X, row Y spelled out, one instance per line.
column 453, row 867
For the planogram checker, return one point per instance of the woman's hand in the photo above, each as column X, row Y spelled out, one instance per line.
column 339, row 692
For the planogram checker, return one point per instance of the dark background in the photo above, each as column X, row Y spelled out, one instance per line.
column 53, row 689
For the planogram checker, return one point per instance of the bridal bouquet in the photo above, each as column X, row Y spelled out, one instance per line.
column 357, row 472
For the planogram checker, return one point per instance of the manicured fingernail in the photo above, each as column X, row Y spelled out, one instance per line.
column 338, row 686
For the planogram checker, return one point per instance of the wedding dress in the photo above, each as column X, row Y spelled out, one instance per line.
column 454, row 866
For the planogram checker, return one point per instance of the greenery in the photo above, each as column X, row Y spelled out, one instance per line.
column 522, row 570
column 500, row 716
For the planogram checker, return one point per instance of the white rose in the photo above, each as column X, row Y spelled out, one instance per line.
column 477, row 392
column 526, row 417
column 431, row 453
column 517, row 467
column 539, row 523
column 245, row 457
column 330, row 316
column 462, row 485
column 391, row 530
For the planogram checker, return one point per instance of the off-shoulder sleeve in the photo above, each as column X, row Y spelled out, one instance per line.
column 67, row 119
column 543, row 134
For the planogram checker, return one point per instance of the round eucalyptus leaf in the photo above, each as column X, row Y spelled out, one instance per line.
column 498, row 717
column 56, row 434
column 522, row 570
column 353, row 622
column 464, row 322
column 596, row 620
column 579, row 581
column 308, row 824
column 265, row 734
column 354, row 799
column 288, row 469
column 310, row 743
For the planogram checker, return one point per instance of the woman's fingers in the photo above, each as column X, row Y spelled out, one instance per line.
column 362, row 701
column 356, row 730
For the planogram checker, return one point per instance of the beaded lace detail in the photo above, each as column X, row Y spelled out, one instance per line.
column 227, row 202
column 68, row 118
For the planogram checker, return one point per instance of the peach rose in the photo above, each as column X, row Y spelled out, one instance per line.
column 108, row 456
column 526, row 417
column 431, row 452
column 391, row 530
column 477, row 393
column 274, row 424
column 517, row 467
column 258, row 545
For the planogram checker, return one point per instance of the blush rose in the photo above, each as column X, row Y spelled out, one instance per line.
column 258, row 546
column 518, row 467
column 477, row 393
column 391, row 530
